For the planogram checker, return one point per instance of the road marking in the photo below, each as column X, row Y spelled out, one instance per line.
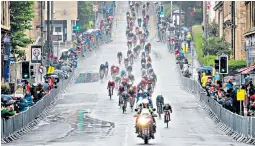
column 126, row 137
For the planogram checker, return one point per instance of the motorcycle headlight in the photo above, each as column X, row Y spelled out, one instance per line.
column 143, row 121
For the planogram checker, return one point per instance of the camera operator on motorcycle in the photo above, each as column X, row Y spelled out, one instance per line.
column 145, row 105
column 111, row 86
column 167, row 107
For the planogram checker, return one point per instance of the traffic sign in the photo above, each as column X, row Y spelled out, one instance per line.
column 77, row 27
column 240, row 94
column 36, row 54
column 95, row 8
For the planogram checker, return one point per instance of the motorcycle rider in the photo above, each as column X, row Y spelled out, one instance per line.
column 167, row 107
column 111, row 85
column 145, row 105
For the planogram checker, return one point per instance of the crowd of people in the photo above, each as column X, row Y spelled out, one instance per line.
column 25, row 96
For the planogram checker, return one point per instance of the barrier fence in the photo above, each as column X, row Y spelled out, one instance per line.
column 243, row 126
column 23, row 119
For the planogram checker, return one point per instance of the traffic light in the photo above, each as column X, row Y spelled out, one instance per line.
column 216, row 64
column 161, row 9
column 25, row 70
column 32, row 73
column 223, row 64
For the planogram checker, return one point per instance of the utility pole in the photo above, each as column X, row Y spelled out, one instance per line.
column 172, row 10
column 205, row 18
column 51, row 23
column 180, row 11
column 48, row 30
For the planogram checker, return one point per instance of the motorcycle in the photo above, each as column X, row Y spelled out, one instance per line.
column 145, row 124
column 167, row 117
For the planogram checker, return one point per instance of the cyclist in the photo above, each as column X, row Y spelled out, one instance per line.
column 160, row 100
column 121, row 90
column 149, row 60
column 139, row 20
column 106, row 65
column 119, row 55
column 111, row 85
column 167, row 107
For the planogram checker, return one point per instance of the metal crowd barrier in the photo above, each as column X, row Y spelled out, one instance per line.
column 244, row 126
column 23, row 119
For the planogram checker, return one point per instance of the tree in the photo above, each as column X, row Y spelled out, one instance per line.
column 85, row 13
column 216, row 46
column 21, row 15
column 213, row 30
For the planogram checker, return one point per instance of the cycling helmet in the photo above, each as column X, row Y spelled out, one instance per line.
column 131, row 89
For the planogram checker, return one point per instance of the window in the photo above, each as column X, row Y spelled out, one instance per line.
column 58, row 29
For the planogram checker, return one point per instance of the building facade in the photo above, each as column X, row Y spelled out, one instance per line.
column 65, row 14
column 230, row 16
column 5, row 40
column 250, row 32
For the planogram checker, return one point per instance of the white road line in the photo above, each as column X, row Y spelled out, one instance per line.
column 126, row 137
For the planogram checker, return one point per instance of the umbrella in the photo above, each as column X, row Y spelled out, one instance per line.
column 6, row 98
column 110, row 17
column 65, row 68
column 185, row 29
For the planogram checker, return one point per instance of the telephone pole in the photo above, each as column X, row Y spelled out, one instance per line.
column 48, row 31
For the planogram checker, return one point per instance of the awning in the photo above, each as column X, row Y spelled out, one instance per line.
column 244, row 68
column 248, row 69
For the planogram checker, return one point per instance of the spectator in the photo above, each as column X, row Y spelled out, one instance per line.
column 216, row 77
column 29, row 99
column 23, row 105
column 204, row 79
column 7, row 111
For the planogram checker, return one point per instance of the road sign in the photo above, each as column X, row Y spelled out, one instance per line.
column 56, row 37
column 240, row 94
column 95, row 8
column 36, row 54
column 77, row 27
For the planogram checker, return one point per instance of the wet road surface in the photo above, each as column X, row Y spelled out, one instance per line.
column 85, row 116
